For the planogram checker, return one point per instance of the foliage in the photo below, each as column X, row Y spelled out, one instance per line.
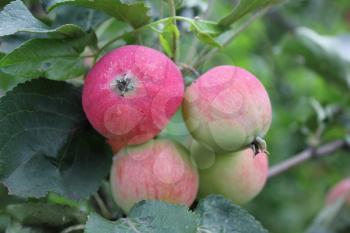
column 50, row 155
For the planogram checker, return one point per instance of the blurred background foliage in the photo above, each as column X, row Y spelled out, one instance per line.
column 300, row 50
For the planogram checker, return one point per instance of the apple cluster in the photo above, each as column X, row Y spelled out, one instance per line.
column 130, row 95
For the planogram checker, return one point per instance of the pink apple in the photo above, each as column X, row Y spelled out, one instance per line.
column 238, row 176
column 157, row 170
column 227, row 108
column 131, row 93
column 340, row 190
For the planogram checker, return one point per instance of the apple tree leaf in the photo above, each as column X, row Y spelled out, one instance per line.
column 244, row 7
column 148, row 217
column 133, row 12
column 56, row 59
column 326, row 55
column 15, row 17
column 47, row 144
column 220, row 215
column 45, row 214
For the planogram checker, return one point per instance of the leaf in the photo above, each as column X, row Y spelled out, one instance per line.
column 18, row 228
column 243, row 8
column 86, row 18
column 9, row 43
column 133, row 12
column 43, row 57
column 3, row 3
column 6, row 199
column 165, row 217
column 220, row 215
column 206, row 31
column 10, row 22
column 15, row 17
column 332, row 219
column 45, row 214
column 323, row 54
column 97, row 224
column 168, row 36
column 46, row 143
column 8, row 81
column 148, row 217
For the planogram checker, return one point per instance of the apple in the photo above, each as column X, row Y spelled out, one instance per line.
column 339, row 191
column 238, row 176
column 227, row 108
column 157, row 170
column 131, row 93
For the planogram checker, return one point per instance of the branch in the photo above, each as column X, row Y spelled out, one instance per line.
column 305, row 155
column 101, row 205
column 74, row 228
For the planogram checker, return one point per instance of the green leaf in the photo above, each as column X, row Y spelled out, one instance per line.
column 43, row 57
column 133, row 12
column 323, row 54
column 46, row 143
column 15, row 17
column 45, row 214
column 243, row 8
column 165, row 217
column 3, row 3
column 148, row 217
column 7, row 82
column 18, row 228
column 9, row 43
column 97, row 224
column 169, row 35
column 10, row 22
column 6, row 199
column 332, row 219
column 220, row 215
column 206, row 31
column 86, row 18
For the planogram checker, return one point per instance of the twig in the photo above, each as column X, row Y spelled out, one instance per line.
column 74, row 228
column 305, row 155
column 104, row 210
column 140, row 29
column 234, row 34
column 184, row 66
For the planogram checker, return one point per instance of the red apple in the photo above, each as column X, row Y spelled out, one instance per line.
column 131, row 93
column 157, row 170
column 227, row 109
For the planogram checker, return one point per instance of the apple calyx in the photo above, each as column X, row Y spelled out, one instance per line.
column 124, row 83
column 259, row 146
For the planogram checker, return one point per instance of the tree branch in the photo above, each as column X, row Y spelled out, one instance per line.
column 305, row 155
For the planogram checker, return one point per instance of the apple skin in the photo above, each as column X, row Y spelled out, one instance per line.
column 338, row 191
column 238, row 176
column 131, row 93
column 157, row 170
column 227, row 108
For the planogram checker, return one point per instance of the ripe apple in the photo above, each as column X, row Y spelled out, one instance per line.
column 238, row 176
column 131, row 93
column 338, row 191
column 157, row 170
column 227, row 108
